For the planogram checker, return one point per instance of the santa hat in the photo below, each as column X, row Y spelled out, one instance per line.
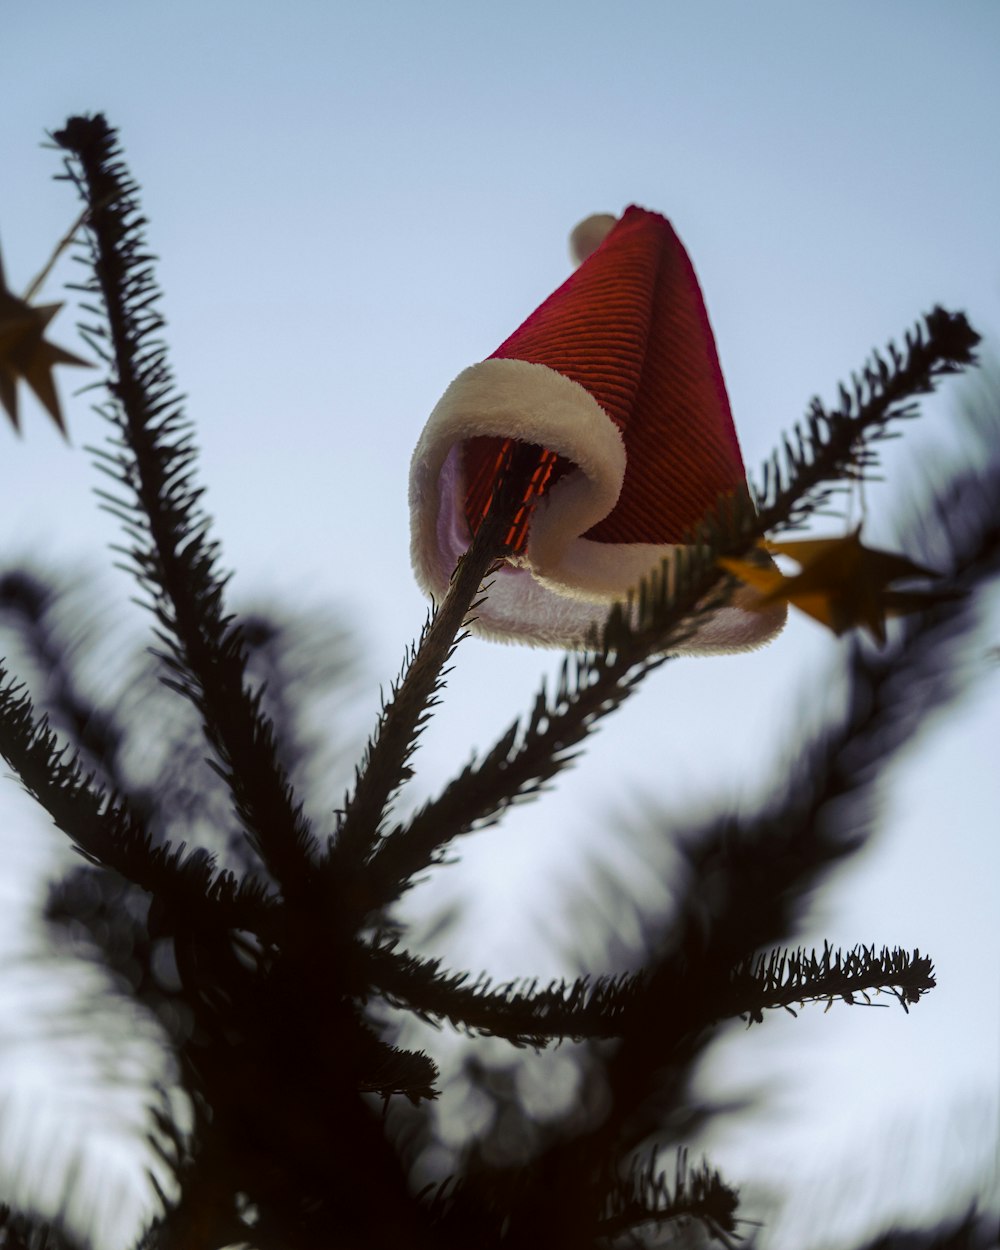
column 616, row 376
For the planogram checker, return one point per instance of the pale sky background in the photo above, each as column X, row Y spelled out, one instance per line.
column 354, row 202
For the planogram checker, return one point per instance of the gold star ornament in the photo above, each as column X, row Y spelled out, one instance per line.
column 842, row 583
column 26, row 355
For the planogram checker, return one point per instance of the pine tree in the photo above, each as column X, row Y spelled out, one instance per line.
column 266, row 962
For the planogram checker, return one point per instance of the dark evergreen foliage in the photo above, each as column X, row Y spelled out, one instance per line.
column 268, row 959
column 20, row 1232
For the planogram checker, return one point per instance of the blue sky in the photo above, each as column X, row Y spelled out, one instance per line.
column 354, row 202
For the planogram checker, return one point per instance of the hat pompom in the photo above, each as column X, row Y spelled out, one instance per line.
column 588, row 236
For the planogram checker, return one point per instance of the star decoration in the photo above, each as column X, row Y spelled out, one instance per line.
column 842, row 584
column 26, row 355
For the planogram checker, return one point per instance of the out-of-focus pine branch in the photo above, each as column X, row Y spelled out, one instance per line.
column 646, row 1201
column 19, row 1231
column 30, row 605
column 975, row 1232
column 109, row 835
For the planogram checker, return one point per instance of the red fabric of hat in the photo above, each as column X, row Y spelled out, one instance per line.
column 616, row 379
column 630, row 327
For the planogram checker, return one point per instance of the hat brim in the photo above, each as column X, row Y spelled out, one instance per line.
column 562, row 587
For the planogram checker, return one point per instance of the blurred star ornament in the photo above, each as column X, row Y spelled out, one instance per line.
column 842, row 584
column 26, row 355
column 616, row 381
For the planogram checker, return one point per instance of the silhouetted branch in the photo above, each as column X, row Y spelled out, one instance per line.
column 171, row 552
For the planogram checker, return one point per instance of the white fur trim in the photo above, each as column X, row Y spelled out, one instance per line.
column 508, row 399
column 564, row 585
column 589, row 234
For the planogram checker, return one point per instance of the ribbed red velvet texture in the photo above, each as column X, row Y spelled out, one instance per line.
column 630, row 326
